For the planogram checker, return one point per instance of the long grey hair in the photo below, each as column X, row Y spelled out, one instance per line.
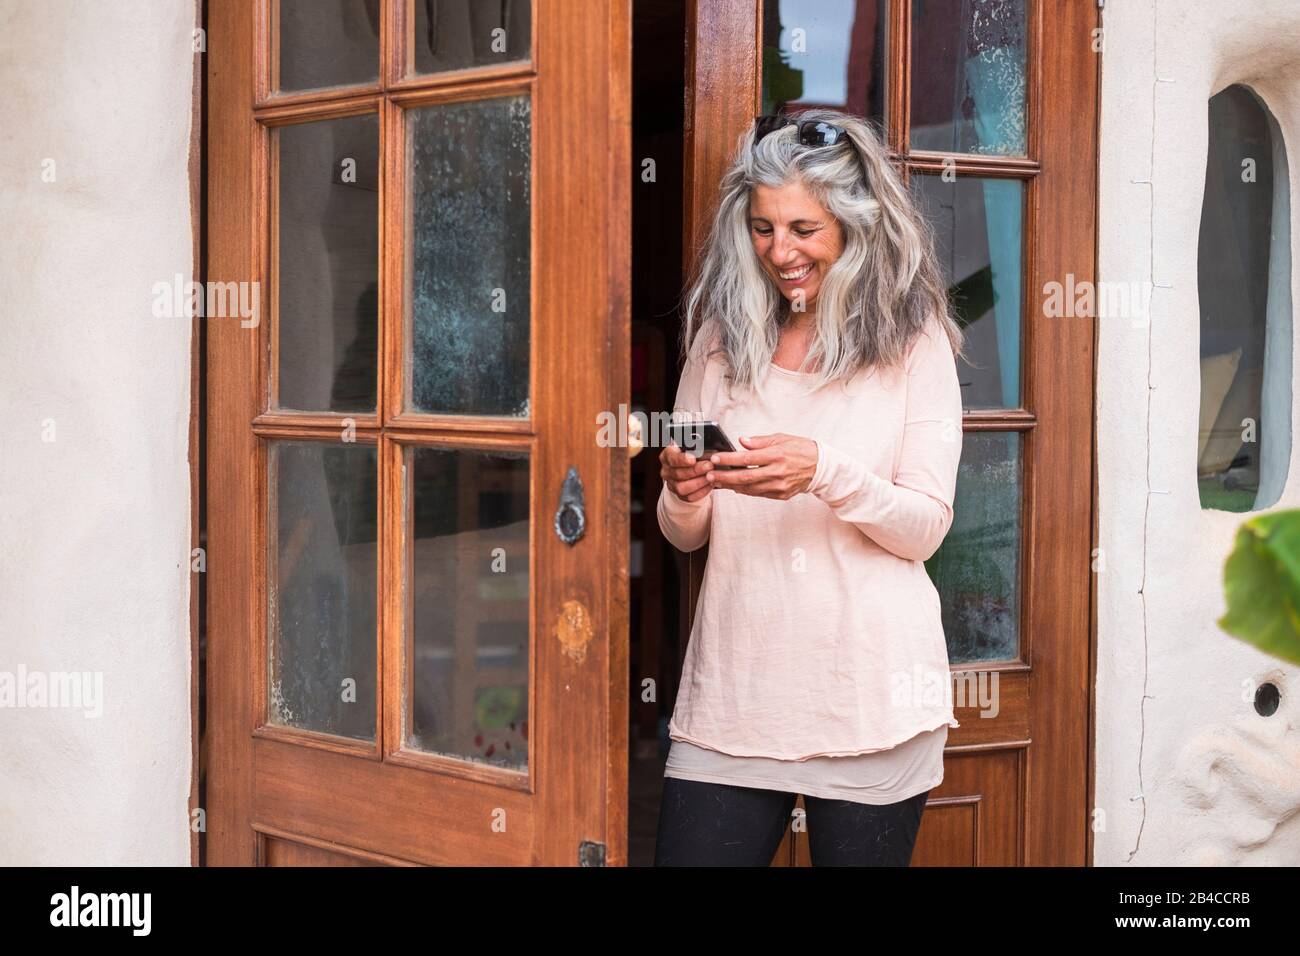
column 875, row 299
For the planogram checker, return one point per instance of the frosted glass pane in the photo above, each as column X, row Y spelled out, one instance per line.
column 977, row 569
column 968, row 76
column 469, row 597
column 321, row 557
column 468, row 257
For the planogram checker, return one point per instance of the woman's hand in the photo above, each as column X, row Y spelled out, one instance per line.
column 786, row 465
column 684, row 474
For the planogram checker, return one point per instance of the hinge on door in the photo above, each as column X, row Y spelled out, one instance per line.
column 591, row 854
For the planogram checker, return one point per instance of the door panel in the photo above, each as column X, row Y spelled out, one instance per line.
column 974, row 818
column 405, row 660
column 989, row 109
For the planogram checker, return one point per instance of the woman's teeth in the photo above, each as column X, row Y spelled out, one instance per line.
column 797, row 273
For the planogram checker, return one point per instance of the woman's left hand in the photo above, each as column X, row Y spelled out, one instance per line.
column 786, row 465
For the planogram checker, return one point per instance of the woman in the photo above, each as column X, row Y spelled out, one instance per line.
column 818, row 334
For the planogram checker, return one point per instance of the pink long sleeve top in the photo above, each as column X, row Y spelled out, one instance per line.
column 817, row 631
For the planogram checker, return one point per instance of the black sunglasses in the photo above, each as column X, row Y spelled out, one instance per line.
column 811, row 132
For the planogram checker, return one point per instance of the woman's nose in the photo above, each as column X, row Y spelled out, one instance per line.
column 781, row 247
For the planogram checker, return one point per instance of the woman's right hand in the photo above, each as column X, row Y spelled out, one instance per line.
column 683, row 474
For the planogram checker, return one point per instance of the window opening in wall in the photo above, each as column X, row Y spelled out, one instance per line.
column 1244, row 285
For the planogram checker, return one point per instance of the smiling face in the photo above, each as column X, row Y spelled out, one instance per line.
column 795, row 239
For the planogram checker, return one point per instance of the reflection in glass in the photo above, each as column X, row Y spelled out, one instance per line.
column 968, row 76
column 321, row 588
column 328, row 264
column 1244, row 284
column 828, row 53
column 326, row 44
column 977, row 568
column 977, row 226
column 468, row 675
column 458, row 34
column 468, row 258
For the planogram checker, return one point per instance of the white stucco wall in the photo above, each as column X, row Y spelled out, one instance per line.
column 94, row 524
column 1187, row 772
column 95, row 403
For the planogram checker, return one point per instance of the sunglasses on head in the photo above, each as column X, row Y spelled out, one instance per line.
column 810, row 133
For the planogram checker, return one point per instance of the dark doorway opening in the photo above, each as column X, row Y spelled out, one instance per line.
column 658, row 572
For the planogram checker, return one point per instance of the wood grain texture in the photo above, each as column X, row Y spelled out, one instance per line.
column 617, row 361
column 1061, row 364
column 233, row 201
column 323, row 792
column 278, row 848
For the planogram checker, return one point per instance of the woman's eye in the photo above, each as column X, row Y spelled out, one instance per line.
column 804, row 233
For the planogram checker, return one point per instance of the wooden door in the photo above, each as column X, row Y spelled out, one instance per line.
column 417, row 539
column 990, row 112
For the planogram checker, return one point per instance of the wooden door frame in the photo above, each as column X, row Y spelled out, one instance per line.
column 723, row 93
column 588, row 60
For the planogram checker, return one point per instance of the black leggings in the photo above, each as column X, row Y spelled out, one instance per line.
column 717, row 824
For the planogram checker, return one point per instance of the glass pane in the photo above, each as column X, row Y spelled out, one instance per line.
column 469, row 604
column 459, row 34
column 830, row 53
column 968, row 76
column 327, row 44
column 328, row 261
column 1244, row 286
column 977, row 229
column 468, row 257
column 977, row 568
column 321, row 618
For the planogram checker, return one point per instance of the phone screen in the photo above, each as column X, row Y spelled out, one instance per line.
column 702, row 439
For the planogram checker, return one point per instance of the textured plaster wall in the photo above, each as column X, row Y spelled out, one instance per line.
column 95, row 402
column 1187, row 772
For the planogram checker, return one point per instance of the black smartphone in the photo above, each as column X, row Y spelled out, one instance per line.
column 703, row 439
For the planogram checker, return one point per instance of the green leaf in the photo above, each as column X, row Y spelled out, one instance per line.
column 1261, row 581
